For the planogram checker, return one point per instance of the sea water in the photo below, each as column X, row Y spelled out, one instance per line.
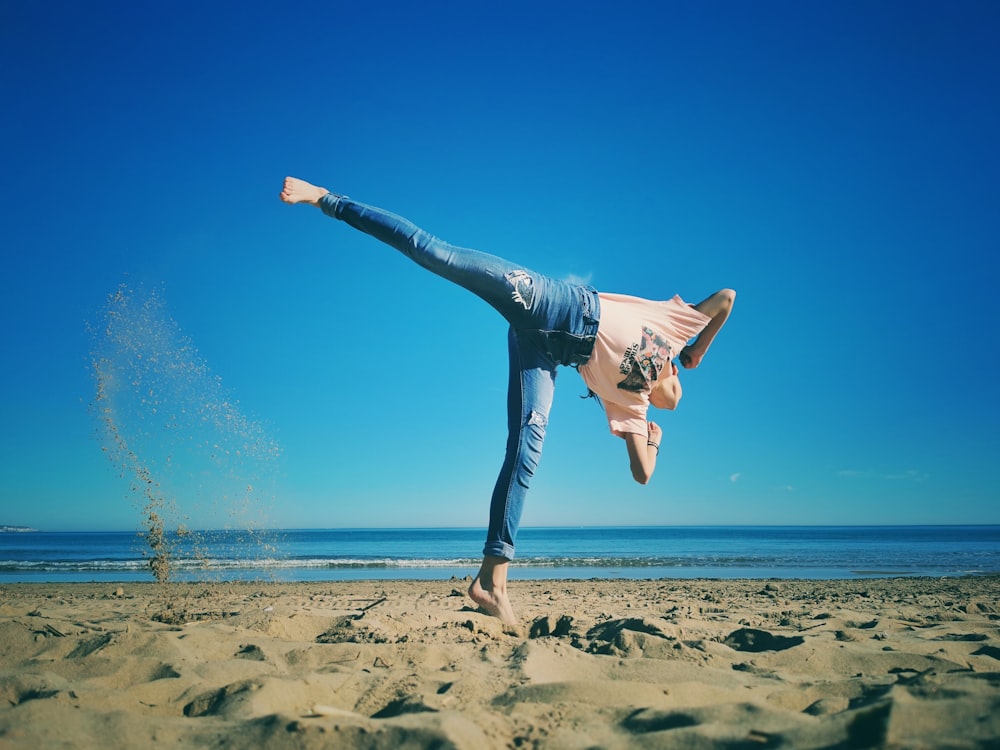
column 810, row 552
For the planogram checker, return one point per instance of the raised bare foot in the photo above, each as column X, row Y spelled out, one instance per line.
column 300, row 191
column 492, row 602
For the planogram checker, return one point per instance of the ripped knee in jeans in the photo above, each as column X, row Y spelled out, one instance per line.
column 537, row 419
column 522, row 287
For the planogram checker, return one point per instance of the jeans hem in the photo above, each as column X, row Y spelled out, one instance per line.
column 499, row 549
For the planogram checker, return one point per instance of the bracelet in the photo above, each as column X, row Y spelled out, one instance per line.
column 655, row 445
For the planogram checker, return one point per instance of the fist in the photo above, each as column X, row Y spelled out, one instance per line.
column 689, row 358
column 655, row 433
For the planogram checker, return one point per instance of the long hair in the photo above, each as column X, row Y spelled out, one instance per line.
column 591, row 394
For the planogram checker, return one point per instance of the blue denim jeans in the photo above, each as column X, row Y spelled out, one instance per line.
column 552, row 323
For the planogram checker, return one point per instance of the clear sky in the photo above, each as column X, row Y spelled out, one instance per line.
column 835, row 162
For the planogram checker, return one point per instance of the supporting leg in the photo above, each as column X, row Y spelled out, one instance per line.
column 530, row 391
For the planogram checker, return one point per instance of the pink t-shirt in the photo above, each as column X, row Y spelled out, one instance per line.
column 636, row 339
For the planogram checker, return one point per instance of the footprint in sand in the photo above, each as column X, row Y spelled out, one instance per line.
column 750, row 639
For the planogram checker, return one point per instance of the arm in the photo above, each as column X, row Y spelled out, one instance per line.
column 717, row 307
column 642, row 452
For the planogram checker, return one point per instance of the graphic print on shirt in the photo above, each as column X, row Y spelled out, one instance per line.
column 643, row 362
column 523, row 288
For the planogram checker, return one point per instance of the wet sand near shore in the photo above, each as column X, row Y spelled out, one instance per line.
column 896, row 662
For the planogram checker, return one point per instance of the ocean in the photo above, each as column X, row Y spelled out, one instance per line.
column 807, row 552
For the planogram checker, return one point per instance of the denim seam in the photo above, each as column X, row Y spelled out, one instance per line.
column 512, row 478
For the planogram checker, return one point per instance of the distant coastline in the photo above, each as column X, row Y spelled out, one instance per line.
column 15, row 529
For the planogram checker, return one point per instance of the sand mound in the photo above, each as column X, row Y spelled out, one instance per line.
column 613, row 664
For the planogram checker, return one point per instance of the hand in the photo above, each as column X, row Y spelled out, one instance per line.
column 655, row 433
column 690, row 357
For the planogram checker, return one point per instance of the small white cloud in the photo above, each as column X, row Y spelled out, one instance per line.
column 734, row 477
column 581, row 280
column 912, row 476
column 908, row 476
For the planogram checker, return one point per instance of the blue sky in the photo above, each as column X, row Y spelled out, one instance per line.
column 835, row 162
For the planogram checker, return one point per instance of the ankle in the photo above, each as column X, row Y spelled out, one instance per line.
column 493, row 573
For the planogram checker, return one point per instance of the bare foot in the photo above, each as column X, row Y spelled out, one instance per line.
column 489, row 590
column 492, row 603
column 300, row 191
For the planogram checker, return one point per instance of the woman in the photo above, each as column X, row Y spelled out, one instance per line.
column 622, row 346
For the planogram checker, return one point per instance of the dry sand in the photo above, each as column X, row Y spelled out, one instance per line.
column 410, row 664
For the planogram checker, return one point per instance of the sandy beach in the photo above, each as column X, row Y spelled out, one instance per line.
column 908, row 662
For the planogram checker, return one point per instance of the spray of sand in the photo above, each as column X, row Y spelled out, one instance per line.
column 185, row 447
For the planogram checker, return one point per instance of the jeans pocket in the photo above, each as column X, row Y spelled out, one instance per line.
column 567, row 349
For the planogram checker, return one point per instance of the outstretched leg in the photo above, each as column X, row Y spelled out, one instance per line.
column 511, row 289
column 566, row 313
